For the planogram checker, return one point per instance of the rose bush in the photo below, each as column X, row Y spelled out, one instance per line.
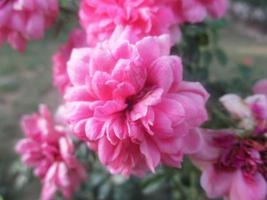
column 134, row 82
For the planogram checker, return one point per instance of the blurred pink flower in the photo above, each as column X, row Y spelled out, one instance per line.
column 247, row 61
column 260, row 87
column 216, row 8
column 232, row 167
column 258, row 106
column 23, row 20
column 195, row 11
column 139, row 18
column 251, row 112
column 61, row 80
column 135, row 18
column 130, row 104
column 50, row 151
column 236, row 106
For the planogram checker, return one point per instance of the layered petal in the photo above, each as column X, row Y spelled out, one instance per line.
column 248, row 188
column 236, row 106
column 217, row 184
column 61, row 57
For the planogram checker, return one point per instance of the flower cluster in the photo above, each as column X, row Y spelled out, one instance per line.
column 23, row 20
column 49, row 150
column 124, row 93
column 135, row 19
column 234, row 162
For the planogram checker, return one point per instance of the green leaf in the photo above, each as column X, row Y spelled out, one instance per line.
column 105, row 191
column 206, row 58
column 152, row 180
column 221, row 56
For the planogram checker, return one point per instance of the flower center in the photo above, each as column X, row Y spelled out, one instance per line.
column 132, row 100
column 248, row 155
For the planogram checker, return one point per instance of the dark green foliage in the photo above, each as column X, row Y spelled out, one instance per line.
column 255, row 3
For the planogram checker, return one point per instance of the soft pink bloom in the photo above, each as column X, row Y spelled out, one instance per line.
column 232, row 167
column 251, row 112
column 236, row 106
column 216, row 8
column 130, row 104
column 50, row 152
column 23, row 20
column 260, row 87
column 135, row 18
column 60, row 77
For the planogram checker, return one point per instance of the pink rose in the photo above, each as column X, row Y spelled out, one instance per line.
column 130, row 104
column 50, row 152
column 135, row 18
column 216, row 8
column 232, row 167
column 23, row 20
column 76, row 40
